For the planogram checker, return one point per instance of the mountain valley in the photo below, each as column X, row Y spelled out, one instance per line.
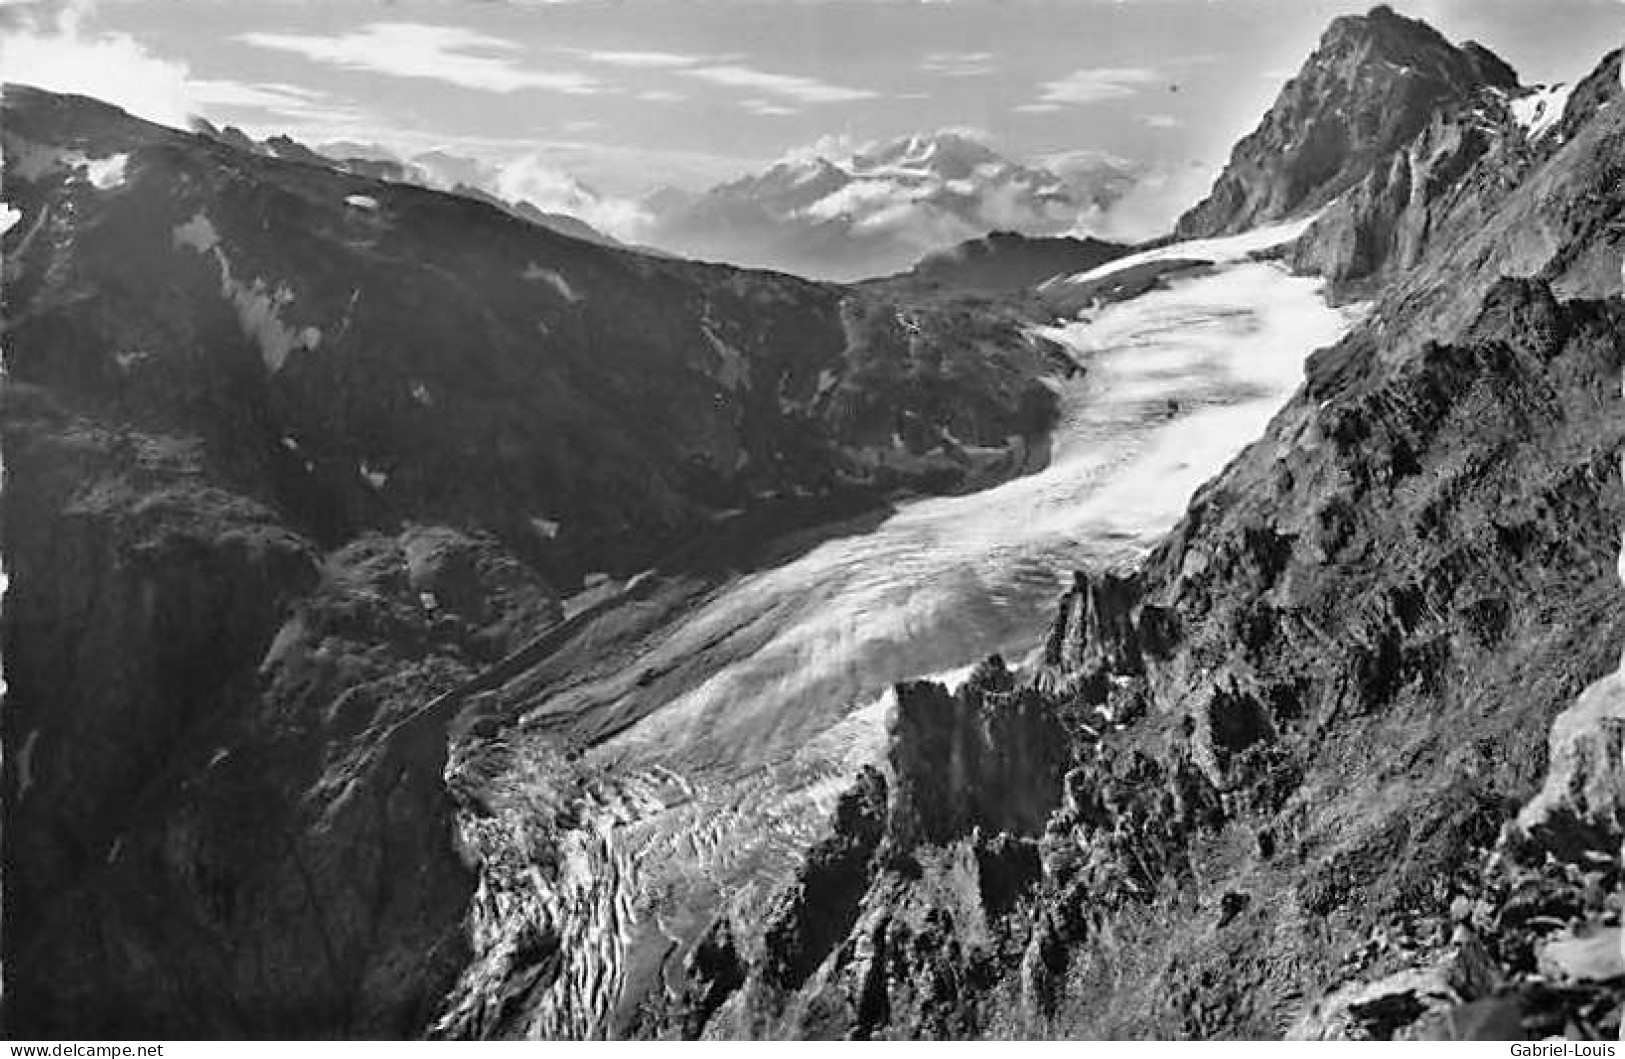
column 428, row 618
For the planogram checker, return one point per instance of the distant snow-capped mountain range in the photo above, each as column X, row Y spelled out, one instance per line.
column 838, row 212
column 877, row 210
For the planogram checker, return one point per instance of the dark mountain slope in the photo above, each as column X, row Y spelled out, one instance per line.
column 289, row 454
column 1372, row 84
column 1000, row 264
column 389, row 350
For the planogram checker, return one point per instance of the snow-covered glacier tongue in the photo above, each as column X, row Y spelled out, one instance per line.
column 617, row 855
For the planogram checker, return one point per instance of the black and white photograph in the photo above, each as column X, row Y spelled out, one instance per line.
column 811, row 520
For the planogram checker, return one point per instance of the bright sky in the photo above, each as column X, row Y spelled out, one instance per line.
column 627, row 94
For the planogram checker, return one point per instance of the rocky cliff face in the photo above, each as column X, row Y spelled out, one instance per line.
column 1373, row 83
column 1474, row 188
column 223, row 810
column 292, row 458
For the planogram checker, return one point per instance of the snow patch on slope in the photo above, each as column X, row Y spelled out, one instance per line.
column 553, row 278
column 104, row 174
column 1540, row 111
column 1219, row 251
column 259, row 305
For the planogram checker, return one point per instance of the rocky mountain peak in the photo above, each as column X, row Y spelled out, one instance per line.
column 946, row 152
column 1383, row 34
column 1371, row 85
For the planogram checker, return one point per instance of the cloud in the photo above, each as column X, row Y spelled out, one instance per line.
column 646, row 60
column 532, row 178
column 261, row 96
column 441, row 53
column 280, row 101
column 959, row 63
column 767, row 109
column 48, row 45
column 787, row 86
column 661, row 95
column 56, row 53
column 1085, row 162
column 1152, row 204
column 884, row 210
column 832, row 145
column 1094, row 85
column 1161, row 121
column 976, row 133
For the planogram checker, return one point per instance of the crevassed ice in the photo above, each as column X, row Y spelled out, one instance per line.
column 791, row 666
column 1179, row 380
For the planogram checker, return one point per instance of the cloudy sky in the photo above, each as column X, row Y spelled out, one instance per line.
column 627, row 94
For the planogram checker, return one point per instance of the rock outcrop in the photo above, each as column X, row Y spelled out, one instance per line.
column 988, row 756
column 882, row 930
column 1374, row 82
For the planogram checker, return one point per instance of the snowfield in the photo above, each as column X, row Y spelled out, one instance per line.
column 1221, row 251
